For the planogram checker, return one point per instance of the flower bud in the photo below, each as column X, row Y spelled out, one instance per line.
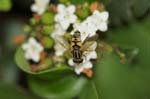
column 48, row 29
column 47, row 18
column 47, row 42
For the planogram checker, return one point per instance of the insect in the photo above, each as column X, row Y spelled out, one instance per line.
column 76, row 45
column 78, row 48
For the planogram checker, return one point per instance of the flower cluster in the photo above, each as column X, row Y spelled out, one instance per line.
column 65, row 20
column 88, row 28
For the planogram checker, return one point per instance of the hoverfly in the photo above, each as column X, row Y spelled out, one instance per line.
column 78, row 48
column 76, row 45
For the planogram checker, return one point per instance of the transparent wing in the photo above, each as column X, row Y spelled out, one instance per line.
column 93, row 38
column 63, row 43
column 89, row 46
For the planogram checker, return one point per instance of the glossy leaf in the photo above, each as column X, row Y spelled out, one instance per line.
column 66, row 87
column 89, row 91
column 23, row 64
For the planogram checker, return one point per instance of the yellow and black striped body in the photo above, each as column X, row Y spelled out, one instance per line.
column 76, row 47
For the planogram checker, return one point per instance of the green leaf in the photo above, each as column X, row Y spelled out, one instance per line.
column 23, row 64
column 141, row 8
column 124, row 11
column 63, row 88
column 119, row 11
column 64, row 1
column 5, row 5
column 135, row 35
column 89, row 91
column 8, row 91
column 114, row 80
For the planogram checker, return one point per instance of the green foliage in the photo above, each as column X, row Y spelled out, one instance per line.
column 112, row 79
column 62, row 88
column 64, row 1
column 126, row 10
column 89, row 91
column 5, row 5
column 10, row 91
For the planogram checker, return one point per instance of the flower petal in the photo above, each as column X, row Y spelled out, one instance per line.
column 103, row 26
column 78, row 70
column 70, row 62
column 87, row 65
column 104, row 15
column 32, row 41
column 58, row 31
column 65, row 24
column 25, row 46
column 90, row 55
column 61, row 8
column 80, row 67
column 71, row 9
column 36, row 57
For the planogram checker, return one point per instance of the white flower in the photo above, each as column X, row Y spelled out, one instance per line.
column 39, row 6
column 100, row 20
column 65, row 15
column 80, row 67
column 86, row 28
column 60, row 42
column 32, row 50
column 60, row 46
column 58, row 31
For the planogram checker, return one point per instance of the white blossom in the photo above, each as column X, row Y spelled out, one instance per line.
column 58, row 31
column 80, row 67
column 39, row 6
column 65, row 15
column 86, row 28
column 60, row 42
column 100, row 19
column 97, row 21
column 60, row 46
column 32, row 49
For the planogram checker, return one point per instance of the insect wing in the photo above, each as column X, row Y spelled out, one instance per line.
column 89, row 46
column 62, row 43
column 93, row 38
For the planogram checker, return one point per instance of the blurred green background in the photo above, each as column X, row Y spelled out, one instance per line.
column 129, row 27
